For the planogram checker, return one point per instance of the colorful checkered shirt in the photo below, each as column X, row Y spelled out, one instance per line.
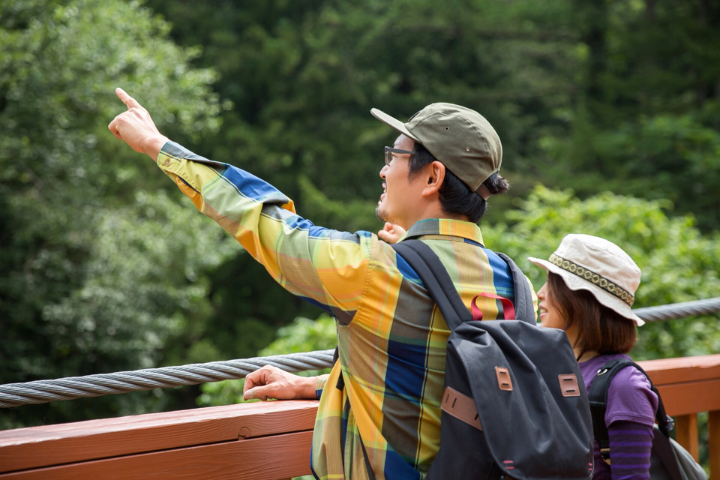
column 391, row 337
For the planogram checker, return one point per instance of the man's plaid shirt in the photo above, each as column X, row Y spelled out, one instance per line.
column 391, row 337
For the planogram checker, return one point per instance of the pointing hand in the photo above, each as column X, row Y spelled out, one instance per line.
column 136, row 128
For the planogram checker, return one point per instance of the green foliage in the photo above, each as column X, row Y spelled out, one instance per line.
column 665, row 156
column 302, row 78
column 144, row 288
column 304, row 335
column 97, row 276
column 645, row 119
column 349, row 216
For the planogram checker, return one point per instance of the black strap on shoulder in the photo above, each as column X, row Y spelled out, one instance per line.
column 436, row 279
column 523, row 303
column 664, row 449
column 597, row 397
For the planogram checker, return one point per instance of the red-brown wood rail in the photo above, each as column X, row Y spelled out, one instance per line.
column 253, row 441
column 688, row 386
column 271, row 441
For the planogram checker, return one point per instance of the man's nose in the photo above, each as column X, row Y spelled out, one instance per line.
column 382, row 172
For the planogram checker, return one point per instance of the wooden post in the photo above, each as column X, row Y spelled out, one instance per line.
column 686, row 427
column 714, row 442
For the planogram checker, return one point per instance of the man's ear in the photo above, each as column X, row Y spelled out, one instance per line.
column 434, row 177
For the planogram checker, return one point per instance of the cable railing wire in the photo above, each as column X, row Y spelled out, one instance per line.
column 69, row 388
column 679, row 310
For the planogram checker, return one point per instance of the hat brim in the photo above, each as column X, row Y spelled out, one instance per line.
column 575, row 283
column 393, row 122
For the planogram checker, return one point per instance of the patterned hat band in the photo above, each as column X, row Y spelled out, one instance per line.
column 593, row 278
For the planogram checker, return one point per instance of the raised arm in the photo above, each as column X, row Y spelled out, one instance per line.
column 326, row 267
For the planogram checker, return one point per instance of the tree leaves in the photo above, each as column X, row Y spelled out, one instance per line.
column 96, row 274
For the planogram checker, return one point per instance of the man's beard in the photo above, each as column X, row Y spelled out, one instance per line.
column 381, row 215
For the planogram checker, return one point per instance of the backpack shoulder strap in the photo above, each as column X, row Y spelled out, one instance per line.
column 597, row 397
column 523, row 296
column 436, row 279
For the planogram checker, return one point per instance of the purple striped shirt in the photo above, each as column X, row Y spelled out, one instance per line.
column 630, row 417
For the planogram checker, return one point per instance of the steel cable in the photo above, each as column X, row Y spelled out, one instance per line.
column 679, row 310
column 41, row 391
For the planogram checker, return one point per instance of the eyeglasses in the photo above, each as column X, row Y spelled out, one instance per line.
column 389, row 154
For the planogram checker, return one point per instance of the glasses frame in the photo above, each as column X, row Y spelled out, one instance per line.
column 389, row 154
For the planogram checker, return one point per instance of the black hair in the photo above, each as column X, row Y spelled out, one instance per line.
column 456, row 198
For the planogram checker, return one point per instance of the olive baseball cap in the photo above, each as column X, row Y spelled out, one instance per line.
column 460, row 138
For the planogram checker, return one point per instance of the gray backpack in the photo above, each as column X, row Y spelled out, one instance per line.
column 515, row 404
column 668, row 460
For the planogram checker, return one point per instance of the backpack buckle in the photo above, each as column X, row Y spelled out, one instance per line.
column 670, row 423
column 569, row 385
column 605, row 452
column 504, row 380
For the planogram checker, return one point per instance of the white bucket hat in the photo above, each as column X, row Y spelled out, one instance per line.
column 602, row 268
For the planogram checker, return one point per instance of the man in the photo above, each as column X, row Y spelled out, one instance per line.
column 379, row 412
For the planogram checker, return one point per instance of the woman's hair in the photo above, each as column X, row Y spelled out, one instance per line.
column 456, row 197
column 600, row 329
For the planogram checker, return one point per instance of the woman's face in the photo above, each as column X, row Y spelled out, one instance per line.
column 550, row 315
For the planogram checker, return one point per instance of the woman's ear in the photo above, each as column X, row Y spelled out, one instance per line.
column 434, row 177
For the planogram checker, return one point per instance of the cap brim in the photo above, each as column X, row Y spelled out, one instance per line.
column 393, row 122
column 574, row 283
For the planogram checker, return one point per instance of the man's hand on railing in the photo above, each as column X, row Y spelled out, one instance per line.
column 271, row 382
column 136, row 128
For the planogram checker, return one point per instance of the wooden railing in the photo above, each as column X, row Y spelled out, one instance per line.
column 271, row 441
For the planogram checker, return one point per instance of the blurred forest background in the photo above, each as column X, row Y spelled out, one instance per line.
column 609, row 113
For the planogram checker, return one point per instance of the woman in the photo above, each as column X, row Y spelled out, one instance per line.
column 589, row 293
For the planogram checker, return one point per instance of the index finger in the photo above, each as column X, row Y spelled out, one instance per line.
column 129, row 101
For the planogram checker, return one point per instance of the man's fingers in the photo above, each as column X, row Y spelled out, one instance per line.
column 258, row 377
column 113, row 128
column 127, row 99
